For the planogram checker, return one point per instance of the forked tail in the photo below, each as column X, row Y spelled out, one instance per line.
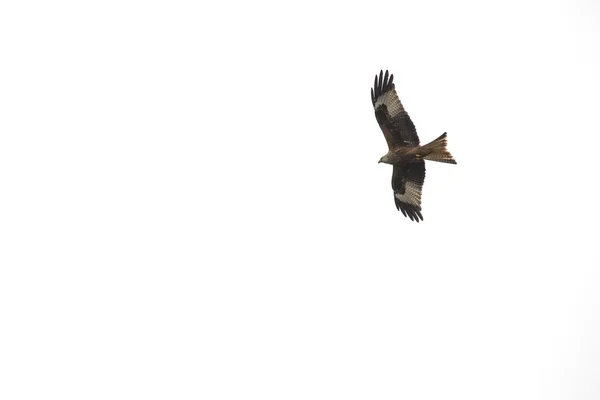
column 437, row 151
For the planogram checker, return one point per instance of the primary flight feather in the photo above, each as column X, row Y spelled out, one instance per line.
column 405, row 153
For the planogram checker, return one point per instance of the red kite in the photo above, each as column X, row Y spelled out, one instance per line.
column 405, row 154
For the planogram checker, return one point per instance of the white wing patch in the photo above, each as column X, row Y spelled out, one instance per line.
column 412, row 194
column 391, row 101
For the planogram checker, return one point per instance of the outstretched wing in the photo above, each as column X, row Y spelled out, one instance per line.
column 407, row 182
column 393, row 120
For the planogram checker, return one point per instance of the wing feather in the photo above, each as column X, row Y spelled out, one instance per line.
column 407, row 182
column 392, row 118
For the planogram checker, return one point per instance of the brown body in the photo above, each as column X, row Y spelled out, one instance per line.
column 434, row 151
column 404, row 154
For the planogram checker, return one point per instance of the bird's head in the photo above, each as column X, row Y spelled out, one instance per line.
column 383, row 159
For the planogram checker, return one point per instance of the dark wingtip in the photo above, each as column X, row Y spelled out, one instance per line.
column 420, row 215
column 416, row 215
column 375, row 89
column 382, row 84
column 411, row 212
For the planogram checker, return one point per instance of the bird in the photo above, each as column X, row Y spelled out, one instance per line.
column 404, row 152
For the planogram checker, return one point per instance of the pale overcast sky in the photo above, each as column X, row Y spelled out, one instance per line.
column 192, row 208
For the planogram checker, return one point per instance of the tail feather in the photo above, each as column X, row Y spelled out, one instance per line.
column 437, row 151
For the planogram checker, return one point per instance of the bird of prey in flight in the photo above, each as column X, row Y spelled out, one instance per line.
column 405, row 153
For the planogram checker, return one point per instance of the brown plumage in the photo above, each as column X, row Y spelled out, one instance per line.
column 405, row 153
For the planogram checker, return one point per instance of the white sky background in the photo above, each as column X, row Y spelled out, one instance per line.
column 191, row 205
